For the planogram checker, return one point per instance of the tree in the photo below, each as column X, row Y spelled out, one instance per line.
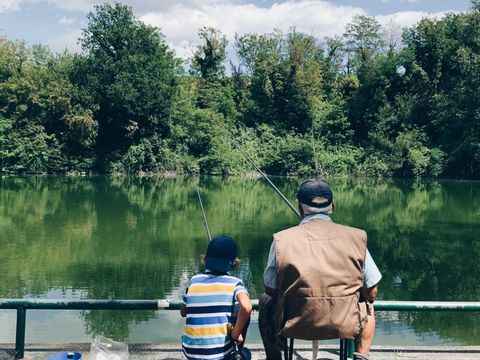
column 46, row 127
column 214, row 89
column 363, row 40
column 131, row 72
column 210, row 55
column 442, row 73
column 285, row 73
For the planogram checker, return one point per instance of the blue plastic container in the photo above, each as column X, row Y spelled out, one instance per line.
column 66, row 355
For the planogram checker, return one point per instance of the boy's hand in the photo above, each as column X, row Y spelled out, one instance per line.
column 183, row 310
column 238, row 338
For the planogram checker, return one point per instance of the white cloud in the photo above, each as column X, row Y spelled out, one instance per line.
column 408, row 18
column 402, row 1
column 180, row 23
column 68, row 40
column 9, row 5
column 179, row 20
column 77, row 5
column 67, row 21
column 139, row 6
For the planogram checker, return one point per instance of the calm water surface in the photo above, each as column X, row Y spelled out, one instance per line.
column 141, row 238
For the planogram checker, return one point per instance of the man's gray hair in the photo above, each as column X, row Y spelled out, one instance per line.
column 311, row 210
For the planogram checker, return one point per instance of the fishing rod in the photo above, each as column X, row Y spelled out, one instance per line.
column 204, row 216
column 284, row 198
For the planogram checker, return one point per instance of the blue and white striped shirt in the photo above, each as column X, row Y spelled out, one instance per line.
column 210, row 300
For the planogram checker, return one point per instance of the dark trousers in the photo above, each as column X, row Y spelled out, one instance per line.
column 266, row 324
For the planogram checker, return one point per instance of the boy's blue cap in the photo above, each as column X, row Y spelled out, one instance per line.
column 312, row 189
column 221, row 252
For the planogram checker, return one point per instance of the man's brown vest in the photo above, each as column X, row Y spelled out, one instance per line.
column 319, row 265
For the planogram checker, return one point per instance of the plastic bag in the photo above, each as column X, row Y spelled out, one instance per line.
column 103, row 348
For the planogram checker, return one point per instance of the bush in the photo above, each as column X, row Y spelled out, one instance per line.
column 290, row 155
column 333, row 161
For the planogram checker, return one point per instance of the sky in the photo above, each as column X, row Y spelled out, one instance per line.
column 58, row 23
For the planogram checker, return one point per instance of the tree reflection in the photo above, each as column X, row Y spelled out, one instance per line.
column 140, row 238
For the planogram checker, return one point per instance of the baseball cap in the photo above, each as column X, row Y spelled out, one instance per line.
column 221, row 252
column 311, row 189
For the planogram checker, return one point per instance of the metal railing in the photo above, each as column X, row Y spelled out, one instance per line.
column 22, row 305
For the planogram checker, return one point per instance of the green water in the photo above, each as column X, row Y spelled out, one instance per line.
column 140, row 238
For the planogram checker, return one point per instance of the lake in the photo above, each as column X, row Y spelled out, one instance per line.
column 141, row 238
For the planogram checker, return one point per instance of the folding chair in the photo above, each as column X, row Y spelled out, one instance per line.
column 345, row 350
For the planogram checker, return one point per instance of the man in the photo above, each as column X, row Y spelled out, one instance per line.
column 320, row 280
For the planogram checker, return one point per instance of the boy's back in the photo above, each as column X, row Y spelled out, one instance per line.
column 210, row 314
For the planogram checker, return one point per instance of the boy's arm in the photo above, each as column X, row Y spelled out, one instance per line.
column 183, row 307
column 243, row 316
column 183, row 310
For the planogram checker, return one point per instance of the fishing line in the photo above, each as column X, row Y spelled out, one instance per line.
column 204, row 215
column 284, row 198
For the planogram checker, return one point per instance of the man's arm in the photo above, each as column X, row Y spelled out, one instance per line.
column 270, row 276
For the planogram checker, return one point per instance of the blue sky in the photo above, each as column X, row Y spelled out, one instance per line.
column 58, row 23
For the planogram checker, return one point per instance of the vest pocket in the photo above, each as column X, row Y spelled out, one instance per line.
column 321, row 318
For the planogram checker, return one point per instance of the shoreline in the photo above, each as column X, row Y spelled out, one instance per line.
column 139, row 351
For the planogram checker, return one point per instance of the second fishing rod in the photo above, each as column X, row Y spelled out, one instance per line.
column 250, row 160
column 288, row 351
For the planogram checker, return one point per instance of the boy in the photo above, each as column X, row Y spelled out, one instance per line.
column 213, row 324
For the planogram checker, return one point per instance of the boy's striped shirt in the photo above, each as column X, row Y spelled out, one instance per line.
column 210, row 301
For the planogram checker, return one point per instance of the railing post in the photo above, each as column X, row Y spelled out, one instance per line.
column 351, row 348
column 20, row 333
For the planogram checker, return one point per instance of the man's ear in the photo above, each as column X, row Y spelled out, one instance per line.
column 300, row 210
column 333, row 205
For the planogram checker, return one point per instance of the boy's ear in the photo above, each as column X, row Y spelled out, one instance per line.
column 235, row 263
column 202, row 259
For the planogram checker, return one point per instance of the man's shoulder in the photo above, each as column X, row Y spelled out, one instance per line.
column 287, row 231
column 351, row 229
column 320, row 224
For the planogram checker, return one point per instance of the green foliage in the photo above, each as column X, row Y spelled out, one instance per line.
column 209, row 56
column 130, row 71
column 335, row 161
column 411, row 158
column 285, row 79
column 357, row 104
column 6, row 146
column 289, row 155
column 48, row 128
column 363, row 38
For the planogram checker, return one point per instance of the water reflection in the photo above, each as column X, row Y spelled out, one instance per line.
column 140, row 238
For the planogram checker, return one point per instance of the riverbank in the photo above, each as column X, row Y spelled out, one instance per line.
column 326, row 352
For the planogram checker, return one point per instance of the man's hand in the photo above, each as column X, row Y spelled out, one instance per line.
column 271, row 291
column 370, row 294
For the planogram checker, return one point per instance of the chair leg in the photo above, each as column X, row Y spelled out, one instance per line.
column 290, row 353
column 285, row 351
column 344, row 349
